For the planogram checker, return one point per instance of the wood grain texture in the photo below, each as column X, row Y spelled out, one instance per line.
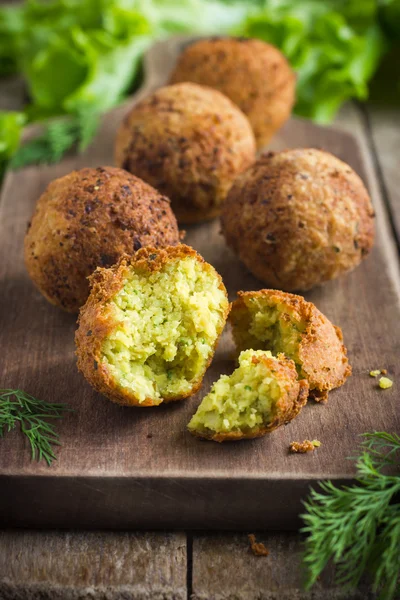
column 222, row 564
column 79, row 566
column 384, row 123
column 108, row 465
column 224, row 568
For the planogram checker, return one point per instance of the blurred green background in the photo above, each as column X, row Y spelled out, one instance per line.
column 81, row 57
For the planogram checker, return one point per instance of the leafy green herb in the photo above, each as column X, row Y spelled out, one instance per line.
column 333, row 48
column 11, row 18
column 358, row 527
column 248, row 388
column 11, row 124
column 32, row 415
column 59, row 136
column 85, row 55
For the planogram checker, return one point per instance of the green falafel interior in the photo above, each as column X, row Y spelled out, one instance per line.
column 167, row 322
column 268, row 325
column 243, row 402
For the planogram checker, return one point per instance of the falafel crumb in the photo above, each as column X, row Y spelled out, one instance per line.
column 303, row 447
column 375, row 373
column 385, row 383
column 257, row 548
column 384, row 371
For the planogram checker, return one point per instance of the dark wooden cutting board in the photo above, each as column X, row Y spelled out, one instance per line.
column 139, row 468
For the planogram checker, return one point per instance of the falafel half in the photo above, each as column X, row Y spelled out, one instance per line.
column 190, row 142
column 260, row 395
column 253, row 74
column 298, row 218
column 87, row 219
column 282, row 322
column 149, row 328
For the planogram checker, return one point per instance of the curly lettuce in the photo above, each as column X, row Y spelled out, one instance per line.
column 79, row 56
column 333, row 56
column 11, row 124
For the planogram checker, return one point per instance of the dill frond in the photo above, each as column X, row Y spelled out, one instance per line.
column 59, row 136
column 358, row 527
column 16, row 406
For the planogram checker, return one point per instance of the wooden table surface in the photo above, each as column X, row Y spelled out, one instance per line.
column 142, row 565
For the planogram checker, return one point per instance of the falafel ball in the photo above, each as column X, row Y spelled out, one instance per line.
column 298, row 218
column 260, row 395
column 190, row 142
column 87, row 219
column 150, row 326
column 254, row 75
column 282, row 322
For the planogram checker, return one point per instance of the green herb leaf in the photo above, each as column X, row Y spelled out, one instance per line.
column 59, row 136
column 333, row 52
column 11, row 28
column 358, row 527
column 84, row 55
column 32, row 414
column 11, row 124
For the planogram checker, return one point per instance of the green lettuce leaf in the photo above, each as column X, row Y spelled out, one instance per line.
column 79, row 56
column 390, row 16
column 11, row 29
column 194, row 16
column 90, row 60
column 333, row 60
column 11, row 124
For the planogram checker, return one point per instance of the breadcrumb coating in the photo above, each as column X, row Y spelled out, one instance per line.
column 190, row 142
column 88, row 219
column 299, row 218
column 262, row 394
column 150, row 326
column 253, row 74
column 282, row 322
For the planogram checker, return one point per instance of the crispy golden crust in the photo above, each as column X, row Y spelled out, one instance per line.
column 95, row 322
column 322, row 354
column 190, row 142
column 89, row 218
column 254, row 75
column 298, row 218
column 287, row 407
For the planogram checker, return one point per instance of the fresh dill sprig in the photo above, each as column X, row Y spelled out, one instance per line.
column 58, row 137
column 88, row 125
column 358, row 526
column 32, row 414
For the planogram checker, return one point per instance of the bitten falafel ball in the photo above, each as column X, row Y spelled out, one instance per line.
column 298, row 218
column 87, row 219
column 254, row 75
column 282, row 322
column 150, row 326
column 260, row 395
column 190, row 142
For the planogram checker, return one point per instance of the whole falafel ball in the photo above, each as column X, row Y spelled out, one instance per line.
column 149, row 328
column 254, row 75
column 298, row 218
column 89, row 218
column 190, row 142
